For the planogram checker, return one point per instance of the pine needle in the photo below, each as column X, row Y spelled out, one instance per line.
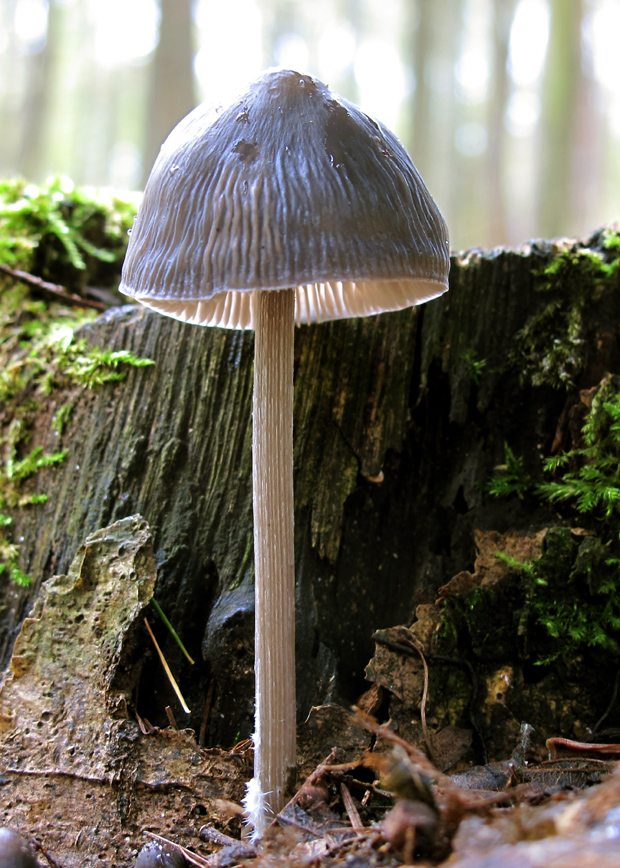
column 175, row 686
column 175, row 635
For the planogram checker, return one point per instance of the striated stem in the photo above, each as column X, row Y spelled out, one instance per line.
column 274, row 557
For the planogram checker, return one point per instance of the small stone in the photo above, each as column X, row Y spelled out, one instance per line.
column 15, row 852
column 158, row 855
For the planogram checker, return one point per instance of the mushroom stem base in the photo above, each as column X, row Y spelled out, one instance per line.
column 274, row 556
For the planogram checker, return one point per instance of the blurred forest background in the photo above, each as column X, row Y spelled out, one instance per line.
column 510, row 108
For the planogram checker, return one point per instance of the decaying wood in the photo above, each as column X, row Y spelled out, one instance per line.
column 394, row 437
column 77, row 775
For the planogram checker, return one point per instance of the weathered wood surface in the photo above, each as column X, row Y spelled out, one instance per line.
column 393, row 437
column 76, row 772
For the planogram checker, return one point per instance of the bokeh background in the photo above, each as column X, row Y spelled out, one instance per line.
column 510, row 108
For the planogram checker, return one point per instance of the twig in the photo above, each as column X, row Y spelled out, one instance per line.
column 289, row 821
column 45, row 854
column 414, row 753
column 313, row 778
column 343, row 767
column 310, row 781
column 171, row 719
column 175, row 686
column 214, row 836
column 427, row 738
column 351, row 809
column 146, row 727
column 52, row 290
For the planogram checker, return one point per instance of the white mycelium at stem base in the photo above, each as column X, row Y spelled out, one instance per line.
column 274, row 557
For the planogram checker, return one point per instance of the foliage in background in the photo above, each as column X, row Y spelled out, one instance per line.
column 64, row 235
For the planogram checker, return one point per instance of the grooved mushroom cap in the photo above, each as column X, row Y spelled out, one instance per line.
column 289, row 187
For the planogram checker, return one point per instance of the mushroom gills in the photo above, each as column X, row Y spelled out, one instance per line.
column 314, row 302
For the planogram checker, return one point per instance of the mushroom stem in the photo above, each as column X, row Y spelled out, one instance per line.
column 274, row 556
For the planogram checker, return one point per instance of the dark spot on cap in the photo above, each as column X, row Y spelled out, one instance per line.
column 243, row 117
column 341, row 136
column 247, row 150
column 348, row 144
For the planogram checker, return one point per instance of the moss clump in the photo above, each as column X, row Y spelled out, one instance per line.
column 588, row 477
column 484, row 620
column 571, row 598
column 62, row 233
column 473, row 365
column 55, row 359
column 572, row 591
column 551, row 349
column 564, row 603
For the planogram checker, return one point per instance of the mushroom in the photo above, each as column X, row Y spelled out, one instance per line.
column 289, row 206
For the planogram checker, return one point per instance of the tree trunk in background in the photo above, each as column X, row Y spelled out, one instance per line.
column 416, row 49
column 588, row 183
column 394, row 438
column 497, row 230
column 431, row 45
column 562, row 83
column 173, row 92
column 35, row 111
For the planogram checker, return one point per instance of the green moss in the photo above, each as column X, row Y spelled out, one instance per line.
column 572, row 592
column 550, row 349
column 60, row 227
column 572, row 597
column 55, row 359
column 473, row 365
column 14, row 472
column 589, row 477
column 562, row 604
column 485, row 620
column 509, row 477
column 69, row 236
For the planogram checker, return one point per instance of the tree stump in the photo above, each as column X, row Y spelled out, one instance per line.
column 400, row 420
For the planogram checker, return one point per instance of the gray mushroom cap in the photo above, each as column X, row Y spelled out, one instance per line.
column 289, row 187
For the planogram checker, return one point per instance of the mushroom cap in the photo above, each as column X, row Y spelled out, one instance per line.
column 291, row 186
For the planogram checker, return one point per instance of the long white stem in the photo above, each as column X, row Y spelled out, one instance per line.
column 274, row 556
